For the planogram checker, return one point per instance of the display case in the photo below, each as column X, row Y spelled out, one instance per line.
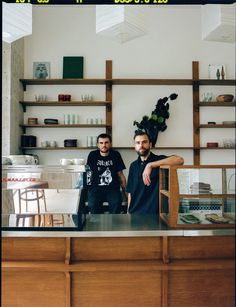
column 198, row 196
column 45, row 197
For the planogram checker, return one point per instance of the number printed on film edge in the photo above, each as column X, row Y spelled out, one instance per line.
column 129, row 2
column 92, row 1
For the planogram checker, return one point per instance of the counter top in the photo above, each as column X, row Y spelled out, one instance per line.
column 115, row 225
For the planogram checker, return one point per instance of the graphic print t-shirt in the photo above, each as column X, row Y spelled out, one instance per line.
column 105, row 169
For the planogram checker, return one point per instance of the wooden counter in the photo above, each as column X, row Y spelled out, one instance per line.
column 95, row 268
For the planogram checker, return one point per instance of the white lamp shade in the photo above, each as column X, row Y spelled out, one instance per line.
column 218, row 22
column 120, row 22
column 17, row 21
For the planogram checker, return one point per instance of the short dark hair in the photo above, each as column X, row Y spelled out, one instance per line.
column 141, row 132
column 104, row 136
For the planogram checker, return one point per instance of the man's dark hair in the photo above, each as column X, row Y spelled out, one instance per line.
column 104, row 136
column 141, row 132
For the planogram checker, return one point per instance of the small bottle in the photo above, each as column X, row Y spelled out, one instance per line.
column 222, row 73
column 218, row 74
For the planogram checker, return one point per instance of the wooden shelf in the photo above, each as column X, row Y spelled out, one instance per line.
column 120, row 148
column 129, row 81
column 57, row 148
column 64, row 103
column 215, row 82
column 67, row 126
column 116, row 148
column 125, row 81
column 212, row 148
column 158, row 148
column 93, row 81
column 216, row 126
column 216, row 104
column 204, row 196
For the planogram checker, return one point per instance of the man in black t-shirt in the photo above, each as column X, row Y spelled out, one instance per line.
column 107, row 176
column 143, row 178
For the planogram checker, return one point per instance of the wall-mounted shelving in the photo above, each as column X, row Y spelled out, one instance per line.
column 196, row 109
column 195, row 83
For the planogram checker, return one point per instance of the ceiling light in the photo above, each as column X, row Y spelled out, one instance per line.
column 120, row 22
column 17, row 21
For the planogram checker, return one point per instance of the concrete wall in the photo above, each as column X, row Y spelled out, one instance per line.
column 12, row 115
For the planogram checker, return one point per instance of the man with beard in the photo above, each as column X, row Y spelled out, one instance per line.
column 143, row 178
column 107, row 167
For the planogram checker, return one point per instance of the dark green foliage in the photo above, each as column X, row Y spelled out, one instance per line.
column 157, row 121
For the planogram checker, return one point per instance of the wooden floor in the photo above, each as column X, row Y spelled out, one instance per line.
column 110, row 272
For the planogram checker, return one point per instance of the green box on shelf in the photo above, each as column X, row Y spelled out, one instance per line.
column 73, row 67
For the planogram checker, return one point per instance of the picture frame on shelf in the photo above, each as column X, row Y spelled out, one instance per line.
column 217, row 71
column 73, row 67
column 41, row 70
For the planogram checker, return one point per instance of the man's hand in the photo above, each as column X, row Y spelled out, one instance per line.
column 146, row 174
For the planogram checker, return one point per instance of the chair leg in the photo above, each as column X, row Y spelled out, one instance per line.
column 44, row 200
column 19, row 202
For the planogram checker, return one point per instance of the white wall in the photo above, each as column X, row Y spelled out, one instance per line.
column 167, row 51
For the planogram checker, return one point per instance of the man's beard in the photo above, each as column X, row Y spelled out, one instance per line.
column 104, row 150
column 144, row 153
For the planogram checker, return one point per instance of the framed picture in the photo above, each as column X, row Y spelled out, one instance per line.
column 41, row 70
column 73, row 67
column 216, row 71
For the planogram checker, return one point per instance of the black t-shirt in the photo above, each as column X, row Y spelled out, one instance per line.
column 144, row 199
column 105, row 169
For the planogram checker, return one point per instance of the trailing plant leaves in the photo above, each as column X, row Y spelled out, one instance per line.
column 173, row 96
column 156, row 122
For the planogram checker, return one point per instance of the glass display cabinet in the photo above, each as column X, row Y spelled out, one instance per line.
column 45, row 197
column 198, row 196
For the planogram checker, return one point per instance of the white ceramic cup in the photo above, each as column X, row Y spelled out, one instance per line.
column 52, row 143
column 66, row 161
column 22, row 160
column 6, row 160
column 78, row 161
column 44, row 144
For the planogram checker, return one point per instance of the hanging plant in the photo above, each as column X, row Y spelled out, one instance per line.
column 157, row 121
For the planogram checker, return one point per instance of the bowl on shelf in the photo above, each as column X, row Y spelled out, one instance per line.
column 70, row 143
column 225, row 98
column 50, row 121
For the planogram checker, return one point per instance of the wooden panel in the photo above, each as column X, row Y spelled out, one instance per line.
column 106, row 289
column 196, row 114
column 33, row 249
column 27, row 289
column 201, row 247
column 116, row 248
column 195, row 289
